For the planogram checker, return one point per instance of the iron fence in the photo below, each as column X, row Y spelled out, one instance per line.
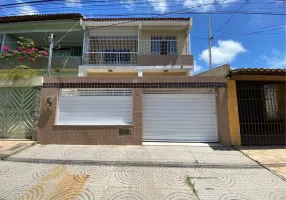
column 261, row 107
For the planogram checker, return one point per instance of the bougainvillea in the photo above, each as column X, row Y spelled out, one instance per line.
column 27, row 50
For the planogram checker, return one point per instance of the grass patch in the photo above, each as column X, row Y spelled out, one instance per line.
column 191, row 183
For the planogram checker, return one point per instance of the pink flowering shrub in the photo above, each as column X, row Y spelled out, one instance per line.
column 26, row 50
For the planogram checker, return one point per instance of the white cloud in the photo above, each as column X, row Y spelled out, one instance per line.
column 256, row 20
column 206, row 5
column 275, row 60
column 159, row 5
column 73, row 3
column 25, row 9
column 197, row 68
column 224, row 52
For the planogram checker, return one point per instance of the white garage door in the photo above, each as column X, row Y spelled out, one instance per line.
column 95, row 107
column 179, row 115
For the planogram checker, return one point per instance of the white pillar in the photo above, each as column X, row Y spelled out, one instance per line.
column 140, row 73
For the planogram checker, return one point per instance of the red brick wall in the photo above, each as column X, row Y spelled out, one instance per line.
column 50, row 133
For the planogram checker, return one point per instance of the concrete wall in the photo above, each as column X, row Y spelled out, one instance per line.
column 217, row 71
column 165, row 60
column 145, row 39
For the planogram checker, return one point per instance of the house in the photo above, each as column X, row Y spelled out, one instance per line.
column 67, row 54
column 257, row 104
column 136, row 47
column 134, row 82
column 104, row 46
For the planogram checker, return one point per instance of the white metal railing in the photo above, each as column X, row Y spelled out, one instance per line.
column 110, row 58
column 124, row 51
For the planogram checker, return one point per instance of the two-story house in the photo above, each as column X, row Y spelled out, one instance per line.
column 103, row 46
column 136, row 47
column 67, row 53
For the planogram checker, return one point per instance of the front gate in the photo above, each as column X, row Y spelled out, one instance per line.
column 262, row 111
column 19, row 110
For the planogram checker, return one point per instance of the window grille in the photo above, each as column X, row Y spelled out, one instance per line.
column 75, row 51
column 271, row 101
column 95, row 92
column 261, row 117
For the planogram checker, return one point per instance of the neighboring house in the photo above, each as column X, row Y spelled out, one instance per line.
column 257, row 104
column 67, row 54
column 136, row 47
column 104, row 46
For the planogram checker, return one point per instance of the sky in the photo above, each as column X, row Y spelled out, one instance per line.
column 246, row 33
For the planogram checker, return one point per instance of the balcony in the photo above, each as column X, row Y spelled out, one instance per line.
column 129, row 51
column 110, row 58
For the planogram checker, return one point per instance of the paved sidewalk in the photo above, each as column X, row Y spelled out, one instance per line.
column 9, row 147
column 61, row 172
column 271, row 157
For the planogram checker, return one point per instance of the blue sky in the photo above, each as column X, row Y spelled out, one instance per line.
column 247, row 40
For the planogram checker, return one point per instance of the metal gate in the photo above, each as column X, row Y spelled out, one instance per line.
column 261, row 107
column 19, row 110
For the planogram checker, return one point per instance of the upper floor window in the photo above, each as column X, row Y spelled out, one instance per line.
column 163, row 45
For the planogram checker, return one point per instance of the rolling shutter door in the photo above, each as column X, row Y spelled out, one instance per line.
column 95, row 107
column 180, row 115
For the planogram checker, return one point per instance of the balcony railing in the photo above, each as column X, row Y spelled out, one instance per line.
column 124, row 52
column 110, row 58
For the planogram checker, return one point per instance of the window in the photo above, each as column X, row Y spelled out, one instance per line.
column 67, row 51
column 163, row 45
column 271, row 101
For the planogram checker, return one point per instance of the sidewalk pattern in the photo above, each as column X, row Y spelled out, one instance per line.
column 136, row 172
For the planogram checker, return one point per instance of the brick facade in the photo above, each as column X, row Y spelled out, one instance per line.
column 50, row 133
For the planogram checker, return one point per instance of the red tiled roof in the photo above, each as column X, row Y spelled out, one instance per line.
column 258, row 71
column 138, row 19
column 39, row 17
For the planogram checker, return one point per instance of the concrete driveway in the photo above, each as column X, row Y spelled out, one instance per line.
column 136, row 172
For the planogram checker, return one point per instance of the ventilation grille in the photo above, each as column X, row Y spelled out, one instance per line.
column 95, row 92
column 209, row 91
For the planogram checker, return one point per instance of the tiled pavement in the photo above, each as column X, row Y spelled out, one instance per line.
column 135, row 173
column 271, row 157
column 9, row 147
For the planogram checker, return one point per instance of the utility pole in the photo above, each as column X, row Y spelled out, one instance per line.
column 51, row 38
column 210, row 46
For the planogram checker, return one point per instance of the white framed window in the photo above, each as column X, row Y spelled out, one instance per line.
column 163, row 45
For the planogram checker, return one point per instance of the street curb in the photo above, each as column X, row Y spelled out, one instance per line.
column 18, row 151
column 273, row 172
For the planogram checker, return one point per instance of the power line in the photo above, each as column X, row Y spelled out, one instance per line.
column 250, row 33
column 230, row 17
column 104, row 1
column 67, row 32
column 158, row 15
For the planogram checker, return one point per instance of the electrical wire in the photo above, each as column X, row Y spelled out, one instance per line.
column 230, row 18
column 250, row 33
column 67, row 32
column 119, row 2
column 158, row 15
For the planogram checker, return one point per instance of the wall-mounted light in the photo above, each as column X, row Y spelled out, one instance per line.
column 165, row 70
column 49, row 102
column 110, row 70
